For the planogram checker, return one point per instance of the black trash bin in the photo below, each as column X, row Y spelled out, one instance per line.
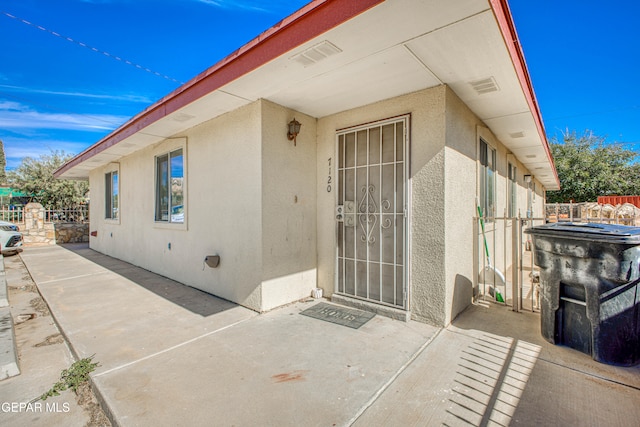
column 590, row 296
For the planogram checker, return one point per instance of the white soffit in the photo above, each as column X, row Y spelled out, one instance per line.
column 516, row 129
column 212, row 105
column 364, row 38
column 380, row 76
column 473, row 50
column 205, row 108
column 130, row 145
column 100, row 159
column 531, row 154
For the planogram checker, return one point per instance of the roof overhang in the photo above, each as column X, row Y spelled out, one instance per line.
column 345, row 54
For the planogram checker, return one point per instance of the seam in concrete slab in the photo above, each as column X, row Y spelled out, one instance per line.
column 46, row 282
column 386, row 385
column 590, row 374
column 166, row 350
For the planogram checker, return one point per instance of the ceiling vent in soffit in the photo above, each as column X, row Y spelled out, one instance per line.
column 484, row 86
column 316, row 53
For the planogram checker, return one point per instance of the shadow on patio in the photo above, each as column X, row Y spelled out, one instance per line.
column 194, row 300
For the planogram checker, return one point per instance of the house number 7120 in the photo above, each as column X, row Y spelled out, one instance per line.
column 329, row 178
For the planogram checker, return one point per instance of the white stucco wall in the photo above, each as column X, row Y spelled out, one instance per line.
column 223, row 180
column 426, row 171
column 288, row 207
column 251, row 198
column 444, row 170
column 460, row 205
column 224, row 202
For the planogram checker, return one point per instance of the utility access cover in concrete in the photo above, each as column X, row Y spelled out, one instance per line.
column 340, row 315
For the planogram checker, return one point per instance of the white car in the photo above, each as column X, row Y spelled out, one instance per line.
column 10, row 237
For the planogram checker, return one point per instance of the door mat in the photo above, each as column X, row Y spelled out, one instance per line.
column 344, row 316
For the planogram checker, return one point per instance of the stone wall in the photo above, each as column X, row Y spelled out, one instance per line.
column 71, row 232
column 46, row 234
column 36, row 231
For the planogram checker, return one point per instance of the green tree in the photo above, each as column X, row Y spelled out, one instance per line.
column 35, row 178
column 3, row 165
column 589, row 167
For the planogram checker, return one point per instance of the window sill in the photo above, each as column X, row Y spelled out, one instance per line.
column 170, row 225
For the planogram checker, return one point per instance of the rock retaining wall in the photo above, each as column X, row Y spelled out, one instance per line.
column 36, row 231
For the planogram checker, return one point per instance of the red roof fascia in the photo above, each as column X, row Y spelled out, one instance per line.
column 505, row 21
column 312, row 20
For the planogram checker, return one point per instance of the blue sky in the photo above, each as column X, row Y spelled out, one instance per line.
column 57, row 94
column 584, row 60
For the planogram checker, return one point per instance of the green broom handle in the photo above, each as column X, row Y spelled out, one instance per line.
column 486, row 247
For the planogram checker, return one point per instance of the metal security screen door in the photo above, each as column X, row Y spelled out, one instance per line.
column 371, row 212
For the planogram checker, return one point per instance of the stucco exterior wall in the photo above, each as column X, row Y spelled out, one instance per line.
column 462, row 165
column 427, row 134
column 251, row 199
column 428, row 223
column 460, row 205
column 223, row 210
column 288, row 207
column 443, row 183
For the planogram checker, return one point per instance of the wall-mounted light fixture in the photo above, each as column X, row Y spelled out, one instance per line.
column 527, row 179
column 294, row 130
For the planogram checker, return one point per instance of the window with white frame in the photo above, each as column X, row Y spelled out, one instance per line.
column 111, row 195
column 513, row 191
column 170, row 187
column 487, row 179
column 531, row 196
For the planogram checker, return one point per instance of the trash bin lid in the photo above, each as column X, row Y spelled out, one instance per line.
column 607, row 233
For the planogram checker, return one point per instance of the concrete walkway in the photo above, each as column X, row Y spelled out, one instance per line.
column 43, row 354
column 172, row 355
